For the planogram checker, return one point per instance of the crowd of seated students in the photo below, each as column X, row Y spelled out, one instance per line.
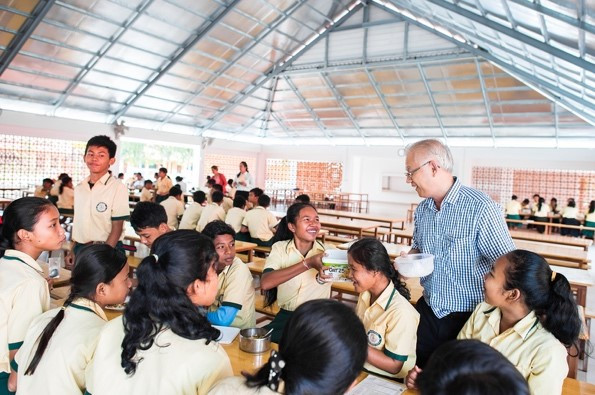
column 165, row 342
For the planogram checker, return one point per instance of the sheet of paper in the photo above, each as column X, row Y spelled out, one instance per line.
column 373, row 385
column 228, row 333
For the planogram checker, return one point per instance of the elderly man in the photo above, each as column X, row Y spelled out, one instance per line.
column 465, row 231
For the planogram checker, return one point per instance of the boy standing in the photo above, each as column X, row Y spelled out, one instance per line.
column 164, row 184
column 100, row 200
column 149, row 221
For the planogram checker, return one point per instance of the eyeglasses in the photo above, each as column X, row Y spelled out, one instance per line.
column 409, row 174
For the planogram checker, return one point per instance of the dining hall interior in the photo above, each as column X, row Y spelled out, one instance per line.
column 338, row 100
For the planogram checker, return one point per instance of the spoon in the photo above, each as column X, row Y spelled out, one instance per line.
column 265, row 335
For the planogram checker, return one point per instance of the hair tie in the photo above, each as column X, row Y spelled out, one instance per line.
column 276, row 366
column 553, row 276
column 156, row 257
column 63, row 308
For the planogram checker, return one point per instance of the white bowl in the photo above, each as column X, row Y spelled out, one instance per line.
column 335, row 265
column 415, row 265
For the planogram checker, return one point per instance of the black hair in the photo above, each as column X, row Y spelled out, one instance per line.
column 303, row 198
column 94, row 264
column 163, row 169
column 48, row 180
column 214, row 168
column 199, row 197
column 324, row 347
column 264, row 201
column 571, row 203
column 62, row 175
column 65, row 181
column 245, row 165
column 540, row 202
column 217, row 197
column 178, row 178
column 372, row 255
column 148, row 182
column 592, row 206
column 526, row 201
column 230, row 182
column 283, row 233
column 218, row 187
column 160, row 301
column 256, row 191
column 22, row 213
column 551, row 299
column 120, row 175
column 102, row 141
column 211, row 181
column 536, row 195
column 239, row 201
column 514, row 197
column 147, row 215
column 470, row 367
column 175, row 191
column 218, row 228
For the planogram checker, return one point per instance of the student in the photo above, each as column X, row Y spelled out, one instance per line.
column 139, row 182
column 590, row 220
column 253, row 196
column 60, row 343
column 44, row 189
column 541, row 213
column 234, row 303
column 211, row 212
column 231, row 190
column 292, row 273
column 146, row 195
column 569, row 215
column 243, row 181
column 163, row 186
column 193, row 211
column 174, row 207
column 30, row 225
column 470, row 367
column 226, row 203
column 322, row 351
column 303, row 198
column 149, row 221
column 260, row 222
column 523, row 296
column 235, row 215
column 513, row 211
column 181, row 184
column 384, row 308
column 164, row 344
column 66, row 196
column 219, row 178
column 101, row 202
column 55, row 188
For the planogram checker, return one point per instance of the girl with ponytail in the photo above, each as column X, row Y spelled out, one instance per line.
column 384, row 308
column 530, row 316
column 60, row 343
column 30, row 226
column 164, row 343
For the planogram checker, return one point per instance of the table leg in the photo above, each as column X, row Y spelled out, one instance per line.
column 250, row 255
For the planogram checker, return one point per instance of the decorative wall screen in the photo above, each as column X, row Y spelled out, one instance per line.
column 26, row 161
column 502, row 183
column 307, row 176
column 229, row 165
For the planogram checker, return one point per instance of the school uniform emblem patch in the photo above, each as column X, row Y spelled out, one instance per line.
column 374, row 338
column 101, row 207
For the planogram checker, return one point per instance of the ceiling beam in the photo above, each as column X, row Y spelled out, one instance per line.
column 579, row 23
column 25, row 31
column 339, row 98
column 307, row 106
column 486, row 101
column 385, row 104
column 182, row 51
column 432, row 102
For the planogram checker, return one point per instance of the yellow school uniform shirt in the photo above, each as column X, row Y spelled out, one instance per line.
column 61, row 370
column 173, row 365
column 173, row 208
column 24, row 295
column 303, row 287
column 535, row 352
column 234, row 218
column 513, row 208
column 391, row 326
column 66, row 198
column 97, row 207
column 211, row 212
column 191, row 216
column 55, row 191
column 545, row 210
column 40, row 192
column 146, row 195
column 590, row 217
column 237, row 385
column 226, row 204
column 164, row 185
column 235, row 290
column 260, row 223
column 570, row 212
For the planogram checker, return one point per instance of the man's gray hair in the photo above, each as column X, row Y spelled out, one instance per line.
column 434, row 149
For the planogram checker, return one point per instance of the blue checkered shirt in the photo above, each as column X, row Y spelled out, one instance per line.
column 466, row 236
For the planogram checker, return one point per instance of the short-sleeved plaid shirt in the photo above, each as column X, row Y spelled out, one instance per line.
column 466, row 236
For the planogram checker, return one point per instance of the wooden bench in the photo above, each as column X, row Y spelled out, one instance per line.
column 552, row 239
column 268, row 312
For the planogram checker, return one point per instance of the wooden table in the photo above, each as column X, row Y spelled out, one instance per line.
column 552, row 239
column 4, row 202
column 557, row 254
column 357, row 227
column 244, row 246
column 394, row 250
column 365, row 217
column 61, row 281
column 405, row 234
column 579, row 281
